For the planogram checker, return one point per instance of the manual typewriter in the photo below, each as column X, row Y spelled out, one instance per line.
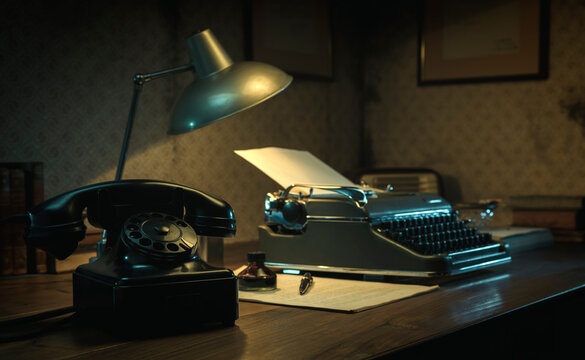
column 360, row 230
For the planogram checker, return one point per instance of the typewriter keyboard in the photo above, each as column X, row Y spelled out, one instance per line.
column 434, row 234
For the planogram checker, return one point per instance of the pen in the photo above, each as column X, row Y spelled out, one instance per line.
column 306, row 282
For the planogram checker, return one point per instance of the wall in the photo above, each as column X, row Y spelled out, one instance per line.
column 496, row 139
column 67, row 68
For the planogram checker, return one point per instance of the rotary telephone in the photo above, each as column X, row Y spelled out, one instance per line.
column 150, row 271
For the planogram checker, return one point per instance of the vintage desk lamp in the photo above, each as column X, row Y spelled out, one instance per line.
column 221, row 88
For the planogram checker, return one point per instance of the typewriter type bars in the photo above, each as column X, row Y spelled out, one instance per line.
column 353, row 230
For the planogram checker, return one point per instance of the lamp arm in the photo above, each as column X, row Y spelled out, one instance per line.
column 129, row 125
column 139, row 81
column 142, row 78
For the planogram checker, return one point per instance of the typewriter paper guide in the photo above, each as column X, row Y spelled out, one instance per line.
column 288, row 167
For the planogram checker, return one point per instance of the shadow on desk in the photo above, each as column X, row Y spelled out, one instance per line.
column 551, row 326
column 88, row 340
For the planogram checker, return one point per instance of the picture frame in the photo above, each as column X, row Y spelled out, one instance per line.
column 482, row 40
column 294, row 36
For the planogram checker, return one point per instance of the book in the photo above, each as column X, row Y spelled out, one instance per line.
column 575, row 236
column 21, row 187
column 554, row 219
column 6, row 263
column 18, row 206
column 520, row 239
column 546, row 202
column 37, row 258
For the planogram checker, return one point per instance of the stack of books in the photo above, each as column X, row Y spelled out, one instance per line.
column 520, row 239
column 21, row 187
column 563, row 215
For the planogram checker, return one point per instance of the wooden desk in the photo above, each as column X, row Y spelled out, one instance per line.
column 530, row 305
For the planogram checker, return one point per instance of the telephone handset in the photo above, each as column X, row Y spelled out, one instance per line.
column 150, row 265
column 56, row 225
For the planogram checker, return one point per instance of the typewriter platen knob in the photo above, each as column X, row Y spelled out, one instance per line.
column 294, row 212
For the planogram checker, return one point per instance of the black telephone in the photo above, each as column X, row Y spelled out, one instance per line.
column 150, row 271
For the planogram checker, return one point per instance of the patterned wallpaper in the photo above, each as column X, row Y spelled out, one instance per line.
column 67, row 68
column 496, row 139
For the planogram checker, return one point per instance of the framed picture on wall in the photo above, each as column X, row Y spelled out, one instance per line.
column 483, row 40
column 292, row 35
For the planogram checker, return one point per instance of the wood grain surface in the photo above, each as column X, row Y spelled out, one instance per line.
column 277, row 332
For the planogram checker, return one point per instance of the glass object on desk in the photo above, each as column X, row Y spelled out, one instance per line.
column 479, row 214
column 256, row 276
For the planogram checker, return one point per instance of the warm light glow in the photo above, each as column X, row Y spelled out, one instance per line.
column 258, row 85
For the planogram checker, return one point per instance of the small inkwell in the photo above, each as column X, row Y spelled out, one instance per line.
column 256, row 276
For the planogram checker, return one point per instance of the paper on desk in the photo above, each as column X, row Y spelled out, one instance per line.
column 334, row 294
column 288, row 167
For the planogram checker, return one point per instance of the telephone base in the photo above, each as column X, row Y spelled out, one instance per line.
column 149, row 302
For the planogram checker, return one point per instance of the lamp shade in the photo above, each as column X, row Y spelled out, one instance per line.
column 222, row 87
